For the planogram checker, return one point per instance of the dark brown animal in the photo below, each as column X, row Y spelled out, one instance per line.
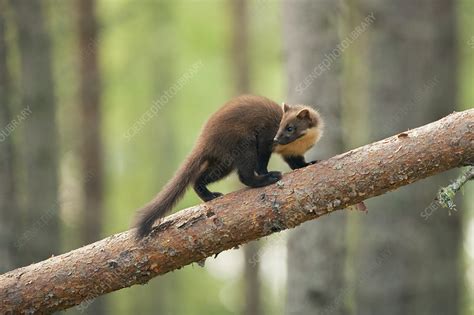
column 240, row 136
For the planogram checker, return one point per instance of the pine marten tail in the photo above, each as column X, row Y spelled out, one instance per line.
column 169, row 195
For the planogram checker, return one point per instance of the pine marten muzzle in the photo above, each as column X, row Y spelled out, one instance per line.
column 240, row 136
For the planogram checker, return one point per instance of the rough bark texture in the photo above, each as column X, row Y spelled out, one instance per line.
column 412, row 80
column 207, row 229
column 310, row 33
column 40, row 233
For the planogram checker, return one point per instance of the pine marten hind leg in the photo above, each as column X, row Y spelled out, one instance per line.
column 212, row 173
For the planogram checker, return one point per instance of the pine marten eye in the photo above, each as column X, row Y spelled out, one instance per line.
column 290, row 128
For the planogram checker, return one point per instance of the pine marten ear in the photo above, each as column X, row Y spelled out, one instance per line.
column 304, row 113
column 286, row 107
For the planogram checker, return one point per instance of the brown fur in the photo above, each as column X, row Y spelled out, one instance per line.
column 236, row 120
column 239, row 136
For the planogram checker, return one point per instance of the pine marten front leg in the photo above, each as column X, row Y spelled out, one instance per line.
column 264, row 150
column 297, row 161
column 256, row 161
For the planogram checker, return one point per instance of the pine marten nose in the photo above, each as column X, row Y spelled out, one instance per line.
column 275, row 140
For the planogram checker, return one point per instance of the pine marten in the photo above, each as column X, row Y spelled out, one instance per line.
column 239, row 136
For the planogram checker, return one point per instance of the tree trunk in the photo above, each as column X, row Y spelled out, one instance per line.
column 355, row 112
column 241, row 70
column 193, row 234
column 40, row 236
column 9, row 212
column 89, row 96
column 310, row 33
column 91, row 154
column 240, row 44
column 412, row 71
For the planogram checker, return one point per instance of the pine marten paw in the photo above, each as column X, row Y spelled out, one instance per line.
column 216, row 195
column 211, row 196
column 275, row 174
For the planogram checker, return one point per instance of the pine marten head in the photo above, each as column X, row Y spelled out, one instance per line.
column 300, row 128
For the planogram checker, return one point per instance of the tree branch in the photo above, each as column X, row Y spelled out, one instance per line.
column 445, row 197
column 207, row 229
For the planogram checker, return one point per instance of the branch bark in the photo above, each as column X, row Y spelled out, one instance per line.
column 207, row 229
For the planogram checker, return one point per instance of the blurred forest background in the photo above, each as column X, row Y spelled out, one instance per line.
column 101, row 100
